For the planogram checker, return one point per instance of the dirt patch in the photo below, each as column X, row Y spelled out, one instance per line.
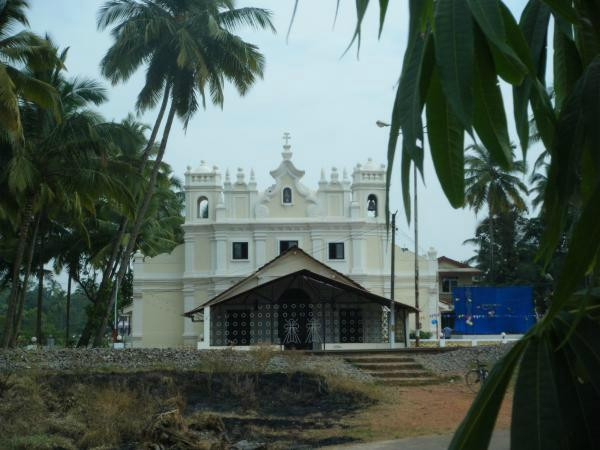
column 418, row 410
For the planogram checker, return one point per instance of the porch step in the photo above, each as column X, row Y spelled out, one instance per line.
column 409, row 381
column 387, row 366
column 380, row 359
column 403, row 374
column 393, row 370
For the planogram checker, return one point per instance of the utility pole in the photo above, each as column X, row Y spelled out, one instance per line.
column 392, row 324
column 116, row 329
column 417, row 319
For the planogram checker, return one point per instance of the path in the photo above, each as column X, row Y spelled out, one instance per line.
column 500, row 441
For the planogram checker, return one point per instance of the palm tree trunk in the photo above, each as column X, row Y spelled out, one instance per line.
column 139, row 219
column 23, row 291
column 10, row 325
column 112, row 264
column 40, row 295
column 68, row 309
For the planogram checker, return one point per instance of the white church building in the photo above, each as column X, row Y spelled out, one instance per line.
column 287, row 265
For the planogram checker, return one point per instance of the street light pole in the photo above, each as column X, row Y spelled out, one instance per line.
column 417, row 318
column 382, row 124
column 392, row 324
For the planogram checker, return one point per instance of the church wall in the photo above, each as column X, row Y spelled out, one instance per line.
column 173, row 262
column 163, row 323
column 278, row 210
column 374, row 258
column 203, row 254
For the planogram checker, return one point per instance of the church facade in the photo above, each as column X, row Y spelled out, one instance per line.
column 234, row 231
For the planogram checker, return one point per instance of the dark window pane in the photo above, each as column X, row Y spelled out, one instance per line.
column 287, row 195
column 336, row 250
column 240, row 250
column 285, row 245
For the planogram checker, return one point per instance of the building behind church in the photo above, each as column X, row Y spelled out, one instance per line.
column 232, row 229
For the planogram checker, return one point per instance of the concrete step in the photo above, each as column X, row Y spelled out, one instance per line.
column 408, row 381
column 379, row 359
column 401, row 374
column 386, row 367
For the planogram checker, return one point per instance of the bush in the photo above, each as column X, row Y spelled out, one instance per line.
column 423, row 334
column 112, row 413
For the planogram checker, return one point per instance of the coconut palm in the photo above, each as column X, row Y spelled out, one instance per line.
column 190, row 50
column 539, row 179
column 488, row 184
column 75, row 145
column 17, row 50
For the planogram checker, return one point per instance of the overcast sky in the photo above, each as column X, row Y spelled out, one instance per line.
column 327, row 102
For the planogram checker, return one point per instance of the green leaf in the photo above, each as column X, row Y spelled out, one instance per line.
column 591, row 103
column 453, row 33
column 543, row 113
column 487, row 14
column 567, row 67
column 405, row 180
column 577, row 370
column 583, row 249
column 563, row 9
column 536, row 421
column 534, row 25
column 408, row 107
column 361, row 9
column 585, row 344
column 476, row 428
column 489, row 119
column 446, row 140
column 409, row 101
column 383, row 4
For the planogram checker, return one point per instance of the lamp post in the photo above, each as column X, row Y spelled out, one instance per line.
column 382, row 124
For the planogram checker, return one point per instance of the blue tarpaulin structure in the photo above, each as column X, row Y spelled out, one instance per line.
column 492, row 310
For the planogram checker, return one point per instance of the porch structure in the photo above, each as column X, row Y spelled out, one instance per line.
column 302, row 310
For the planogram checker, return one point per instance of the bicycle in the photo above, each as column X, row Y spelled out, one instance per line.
column 474, row 378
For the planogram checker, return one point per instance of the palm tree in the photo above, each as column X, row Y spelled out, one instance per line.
column 190, row 50
column 22, row 49
column 488, row 184
column 75, row 143
column 539, row 179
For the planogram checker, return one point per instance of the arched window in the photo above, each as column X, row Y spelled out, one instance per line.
column 202, row 208
column 372, row 205
column 287, row 196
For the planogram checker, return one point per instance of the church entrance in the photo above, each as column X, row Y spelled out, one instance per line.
column 295, row 320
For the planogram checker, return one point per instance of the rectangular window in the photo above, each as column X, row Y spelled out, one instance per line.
column 448, row 283
column 240, row 250
column 285, row 245
column 336, row 250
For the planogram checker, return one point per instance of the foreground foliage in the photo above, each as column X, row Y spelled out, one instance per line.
column 456, row 52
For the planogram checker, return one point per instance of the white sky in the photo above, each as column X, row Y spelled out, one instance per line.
column 328, row 103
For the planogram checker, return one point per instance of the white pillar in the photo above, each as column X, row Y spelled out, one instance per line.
column 190, row 336
column 205, row 342
column 357, row 239
column 189, row 255
column 137, row 319
column 221, row 253
column 318, row 246
column 260, row 249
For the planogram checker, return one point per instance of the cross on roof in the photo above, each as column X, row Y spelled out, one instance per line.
column 286, row 138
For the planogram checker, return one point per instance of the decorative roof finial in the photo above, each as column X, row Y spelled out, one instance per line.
column 252, row 175
column 287, row 153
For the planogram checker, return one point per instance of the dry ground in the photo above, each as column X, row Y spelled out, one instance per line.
column 406, row 411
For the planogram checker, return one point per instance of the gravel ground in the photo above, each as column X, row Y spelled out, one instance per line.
column 145, row 359
column 457, row 362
